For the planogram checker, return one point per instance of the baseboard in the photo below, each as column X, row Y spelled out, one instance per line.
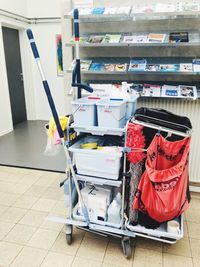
column 6, row 132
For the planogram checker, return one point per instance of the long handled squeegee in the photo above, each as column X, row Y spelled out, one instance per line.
column 56, row 119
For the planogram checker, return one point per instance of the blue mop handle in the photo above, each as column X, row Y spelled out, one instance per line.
column 76, row 24
column 45, row 83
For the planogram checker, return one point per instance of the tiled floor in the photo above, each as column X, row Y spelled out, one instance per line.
column 27, row 239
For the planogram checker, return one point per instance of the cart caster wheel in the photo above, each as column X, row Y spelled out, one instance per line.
column 69, row 239
column 126, row 246
column 69, row 230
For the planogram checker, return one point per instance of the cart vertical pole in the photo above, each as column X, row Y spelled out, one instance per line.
column 77, row 39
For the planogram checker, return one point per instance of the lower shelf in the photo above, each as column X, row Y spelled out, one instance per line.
column 103, row 223
column 159, row 232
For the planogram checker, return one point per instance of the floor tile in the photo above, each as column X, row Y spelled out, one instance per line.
column 195, row 203
column 81, row 262
column 13, row 214
column 46, row 179
column 35, row 191
column 59, row 208
column 57, row 260
column 196, row 262
column 53, row 193
column 193, row 230
column 20, row 234
column 44, row 205
column 43, row 239
column 195, row 248
column 33, row 218
column 29, row 257
column 148, row 244
column 8, row 252
column 92, row 249
column 114, row 254
column 8, row 199
column 110, row 265
column 25, row 202
column 47, row 224
column 193, row 215
column 147, row 258
column 61, row 245
column 5, row 228
column 30, row 178
column 181, row 248
column 178, row 261
column 3, row 209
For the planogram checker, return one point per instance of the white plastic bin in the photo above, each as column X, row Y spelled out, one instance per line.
column 131, row 107
column 111, row 113
column 96, row 163
column 85, row 111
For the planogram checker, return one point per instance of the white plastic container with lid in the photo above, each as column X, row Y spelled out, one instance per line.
column 85, row 111
column 111, row 113
column 96, row 163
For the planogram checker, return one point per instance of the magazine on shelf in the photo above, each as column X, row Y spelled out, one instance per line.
column 136, row 89
column 134, row 39
column 178, row 37
column 196, row 64
column 169, row 67
column 98, row 11
column 170, row 91
column 187, row 67
column 97, row 67
column 85, row 65
column 101, row 90
column 194, row 37
column 152, row 67
column 96, row 39
column 187, row 91
column 188, row 7
column 143, row 9
column 137, row 65
column 165, row 8
column 110, row 10
column 111, row 38
column 84, row 11
column 120, row 67
column 109, row 67
column 82, row 39
column 123, row 10
column 156, row 38
column 151, row 90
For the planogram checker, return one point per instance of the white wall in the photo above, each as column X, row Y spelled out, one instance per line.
column 43, row 8
column 18, row 7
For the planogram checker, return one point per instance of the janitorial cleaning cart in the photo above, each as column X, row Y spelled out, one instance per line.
column 116, row 185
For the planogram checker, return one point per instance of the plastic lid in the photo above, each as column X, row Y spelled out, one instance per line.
column 86, row 101
column 112, row 102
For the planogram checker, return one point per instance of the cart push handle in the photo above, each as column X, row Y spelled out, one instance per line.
column 45, row 83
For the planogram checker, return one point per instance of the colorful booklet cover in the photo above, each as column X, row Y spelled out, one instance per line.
column 110, row 10
column 137, row 65
column 156, row 38
column 84, row 11
column 120, row 67
column 109, row 67
column 151, row 90
column 170, row 91
column 136, row 88
column 134, row 39
column 169, row 67
column 178, row 37
column 152, row 67
column 82, row 39
column 96, row 39
column 187, row 91
column 98, row 10
column 112, row 38
column 85, row 65
column 196, row 64
column 187, row 67
column 97, row 67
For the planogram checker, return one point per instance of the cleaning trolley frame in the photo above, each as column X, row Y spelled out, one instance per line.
column 124, row 230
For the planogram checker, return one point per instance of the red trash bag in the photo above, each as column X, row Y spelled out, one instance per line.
column 162, row 191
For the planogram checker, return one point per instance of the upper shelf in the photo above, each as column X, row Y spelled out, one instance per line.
column 137, row 16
